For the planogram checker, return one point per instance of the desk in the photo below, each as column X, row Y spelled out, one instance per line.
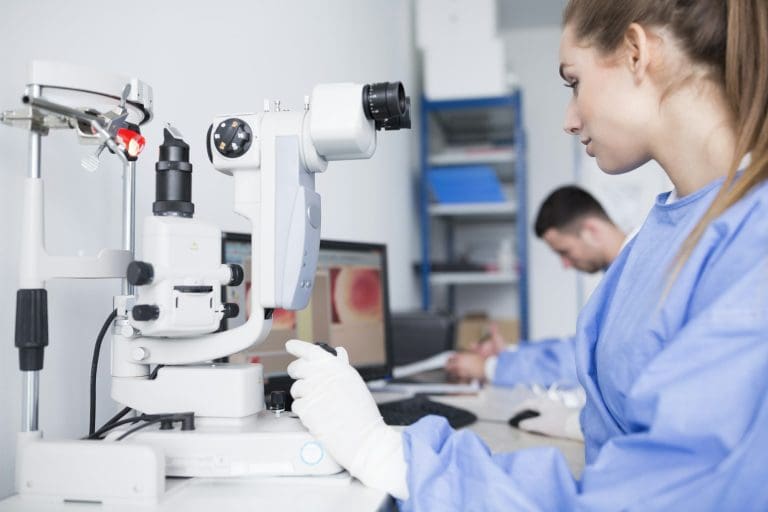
column 493, row 407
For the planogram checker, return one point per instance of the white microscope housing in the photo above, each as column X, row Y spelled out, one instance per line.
column 169, row 322
column 273, row 157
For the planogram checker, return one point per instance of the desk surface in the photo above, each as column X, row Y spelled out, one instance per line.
column 493, row 407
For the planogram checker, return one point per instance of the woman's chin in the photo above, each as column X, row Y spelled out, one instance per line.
column 614, row 167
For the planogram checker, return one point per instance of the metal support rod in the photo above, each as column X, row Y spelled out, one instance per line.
column 42, row 104
column 34, row 144
column 31, row 379
column 129, row 216
column 30, row 400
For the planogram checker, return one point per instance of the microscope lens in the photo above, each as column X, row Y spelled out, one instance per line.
column 386, row 103
column 173, row 178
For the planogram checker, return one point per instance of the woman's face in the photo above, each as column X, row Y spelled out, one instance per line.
column 611, row 106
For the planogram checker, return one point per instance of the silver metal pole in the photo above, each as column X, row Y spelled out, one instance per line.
column 129, row 215
column 31, row 379
column 30, row 401
column 34, row 143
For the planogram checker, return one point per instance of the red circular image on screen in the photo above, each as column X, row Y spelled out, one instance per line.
column 283, row 319
column 356, row 293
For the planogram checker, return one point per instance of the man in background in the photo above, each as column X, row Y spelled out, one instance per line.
column 574, row 225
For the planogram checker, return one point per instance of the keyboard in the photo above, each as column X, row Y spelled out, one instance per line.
column 410, row 410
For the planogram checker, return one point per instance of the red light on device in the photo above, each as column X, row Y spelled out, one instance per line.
column 132, row 141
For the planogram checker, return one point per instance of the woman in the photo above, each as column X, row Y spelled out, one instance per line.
column 672, row 348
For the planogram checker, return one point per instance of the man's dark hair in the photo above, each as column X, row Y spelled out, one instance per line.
column 566, row 205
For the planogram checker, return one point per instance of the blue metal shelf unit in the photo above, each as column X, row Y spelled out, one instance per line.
column 473, row 172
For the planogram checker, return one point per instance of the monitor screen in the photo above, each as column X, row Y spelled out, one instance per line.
column 349, row 307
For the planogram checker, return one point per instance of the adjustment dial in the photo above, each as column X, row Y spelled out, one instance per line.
column 232, row 137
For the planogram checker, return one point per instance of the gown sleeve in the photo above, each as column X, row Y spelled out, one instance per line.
column 695, row 431
column 544, row 362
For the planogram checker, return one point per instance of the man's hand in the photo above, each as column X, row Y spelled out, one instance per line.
column 491, row 345
column 471, row 365
column 466, row 366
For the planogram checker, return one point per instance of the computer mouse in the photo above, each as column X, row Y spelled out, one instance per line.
column 522, row 416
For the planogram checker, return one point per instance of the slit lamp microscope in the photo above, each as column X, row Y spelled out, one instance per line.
column 164, row 328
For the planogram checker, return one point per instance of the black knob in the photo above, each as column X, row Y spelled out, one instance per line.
column 326, row 347
column 140, row 273
column 166, row 425
column 145, row 312
column 188, row 422
column 277, row 401
column 232, row 137
column 237, row 275
column 231, row 310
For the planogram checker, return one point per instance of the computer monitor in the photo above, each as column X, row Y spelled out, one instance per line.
column 349, row 307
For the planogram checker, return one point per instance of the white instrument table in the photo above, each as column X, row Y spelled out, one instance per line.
column 493, row 407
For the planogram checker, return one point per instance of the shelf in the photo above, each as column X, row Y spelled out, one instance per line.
column 452, row 278
column 472, row 156
column 475, row 121
column 475, row 211
column 459, row 136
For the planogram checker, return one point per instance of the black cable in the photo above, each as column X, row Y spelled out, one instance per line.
column 116, row 417
column 153, row 375
column 94, row 368
column 141, row 417
column 108, row 424
column 106, row 428
column 143, row 425
column 187, row 418
column 113, row 421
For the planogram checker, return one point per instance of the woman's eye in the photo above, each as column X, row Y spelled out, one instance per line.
column 573, row 85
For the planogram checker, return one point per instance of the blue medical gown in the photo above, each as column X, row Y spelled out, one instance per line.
column 676, row 381
column 545, row 362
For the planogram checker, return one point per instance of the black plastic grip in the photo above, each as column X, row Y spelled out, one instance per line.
column 31, row 327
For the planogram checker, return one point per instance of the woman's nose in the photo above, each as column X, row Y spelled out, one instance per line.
column 572, row 123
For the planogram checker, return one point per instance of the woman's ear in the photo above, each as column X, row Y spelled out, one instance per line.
column 638, row 51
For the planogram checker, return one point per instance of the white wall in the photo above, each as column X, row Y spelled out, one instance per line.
column 202, row 59
column 532, row 55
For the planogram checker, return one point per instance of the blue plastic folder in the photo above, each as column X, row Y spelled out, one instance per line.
column 469, row 184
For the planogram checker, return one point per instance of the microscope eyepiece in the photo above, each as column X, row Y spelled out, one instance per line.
column 387, row 105
column 173, row 177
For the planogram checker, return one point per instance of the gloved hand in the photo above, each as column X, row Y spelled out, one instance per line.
column 335, row 405
column 558, row 415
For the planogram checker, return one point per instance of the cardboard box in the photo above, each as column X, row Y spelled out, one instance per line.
column 439, row 21
column 473, row 68
column 477, row 326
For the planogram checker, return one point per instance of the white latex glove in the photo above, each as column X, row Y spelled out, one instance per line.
column 556, row 419
column 335, row 405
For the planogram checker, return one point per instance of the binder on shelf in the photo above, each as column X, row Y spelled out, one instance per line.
column 467, row 184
